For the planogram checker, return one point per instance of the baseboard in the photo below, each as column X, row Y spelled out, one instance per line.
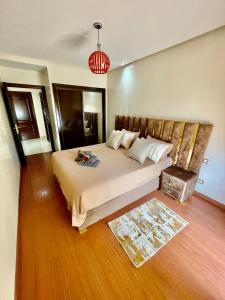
column 210, row 200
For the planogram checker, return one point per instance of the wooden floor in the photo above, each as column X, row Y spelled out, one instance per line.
column 55, row 262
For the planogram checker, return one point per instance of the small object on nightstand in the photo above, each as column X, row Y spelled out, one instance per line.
column 178, row 183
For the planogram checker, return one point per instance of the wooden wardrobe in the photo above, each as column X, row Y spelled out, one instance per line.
column 70, row 115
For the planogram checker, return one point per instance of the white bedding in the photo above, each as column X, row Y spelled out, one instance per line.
column 86, row 188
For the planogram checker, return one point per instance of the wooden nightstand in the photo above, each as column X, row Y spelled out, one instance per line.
column 178, row 183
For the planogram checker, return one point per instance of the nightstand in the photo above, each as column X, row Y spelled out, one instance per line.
column 178, row 183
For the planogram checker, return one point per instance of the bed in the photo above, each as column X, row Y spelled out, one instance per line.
column 93, row 193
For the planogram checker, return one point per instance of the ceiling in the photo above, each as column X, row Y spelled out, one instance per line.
column 61, row 30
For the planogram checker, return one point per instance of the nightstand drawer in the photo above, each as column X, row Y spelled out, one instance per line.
column 170, row 191
column 178, row 183
column 172, row 182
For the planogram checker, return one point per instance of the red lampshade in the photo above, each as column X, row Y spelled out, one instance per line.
column 99, row 62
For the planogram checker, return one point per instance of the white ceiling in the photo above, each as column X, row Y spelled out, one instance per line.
column 61, row 30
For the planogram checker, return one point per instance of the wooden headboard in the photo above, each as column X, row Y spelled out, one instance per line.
column 189, row 139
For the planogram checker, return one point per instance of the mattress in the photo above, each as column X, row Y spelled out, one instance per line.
column 86, row 188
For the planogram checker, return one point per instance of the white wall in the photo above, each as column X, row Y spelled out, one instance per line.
column 9, row 185
column 37, row 107
column 9, row 195
column 186, row 82
column 17, row 75
column 46, row 73
column 74, row 75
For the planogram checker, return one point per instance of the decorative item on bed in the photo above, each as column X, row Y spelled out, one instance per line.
column 87, row 159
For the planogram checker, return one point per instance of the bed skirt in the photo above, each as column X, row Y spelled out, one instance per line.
column 106, row 209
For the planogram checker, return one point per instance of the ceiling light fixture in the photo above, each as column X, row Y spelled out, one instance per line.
column 98, row 61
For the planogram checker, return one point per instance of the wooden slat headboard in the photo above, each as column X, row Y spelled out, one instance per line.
column 189, row 139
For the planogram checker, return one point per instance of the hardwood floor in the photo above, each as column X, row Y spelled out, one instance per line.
column 55, row 261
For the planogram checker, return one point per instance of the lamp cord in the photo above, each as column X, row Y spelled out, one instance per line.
column 98, row 45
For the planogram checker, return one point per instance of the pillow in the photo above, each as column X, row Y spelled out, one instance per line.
column 139, row 150
column 137, row 133
column 115, row 139
column 127, row 140
column 168, row 149
column 158, row 149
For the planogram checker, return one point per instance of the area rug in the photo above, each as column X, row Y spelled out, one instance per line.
column 145, row 229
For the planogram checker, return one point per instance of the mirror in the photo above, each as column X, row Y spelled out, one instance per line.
column 93, row 117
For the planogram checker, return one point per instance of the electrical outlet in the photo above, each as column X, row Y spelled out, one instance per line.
column 205, row 160
column 200, row 181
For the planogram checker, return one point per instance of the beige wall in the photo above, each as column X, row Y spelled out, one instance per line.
column 9, row 194
column 185, row 82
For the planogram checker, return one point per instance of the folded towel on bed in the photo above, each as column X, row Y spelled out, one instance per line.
column 87, row 159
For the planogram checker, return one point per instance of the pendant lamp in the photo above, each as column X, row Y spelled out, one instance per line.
column 98, row 61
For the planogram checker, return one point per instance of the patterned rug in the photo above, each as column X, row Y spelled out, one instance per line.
column 145, row 229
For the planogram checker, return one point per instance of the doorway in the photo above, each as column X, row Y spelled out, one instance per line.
column 28, row 114
column 26, row 123
column 80, row 115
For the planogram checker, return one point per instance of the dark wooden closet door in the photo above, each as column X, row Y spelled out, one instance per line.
column 70, row 115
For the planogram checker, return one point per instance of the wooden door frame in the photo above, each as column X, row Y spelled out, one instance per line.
column 32, row 107
column 59, row 86
column 11, row 117
column 45, row 110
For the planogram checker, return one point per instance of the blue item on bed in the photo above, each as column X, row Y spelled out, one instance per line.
column 87, row 159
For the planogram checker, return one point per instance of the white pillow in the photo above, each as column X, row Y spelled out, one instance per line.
column 139, row 150
column 115, row 139
column 137, row 133
column 158, row 149
column 127, row 140
column 167, row 149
